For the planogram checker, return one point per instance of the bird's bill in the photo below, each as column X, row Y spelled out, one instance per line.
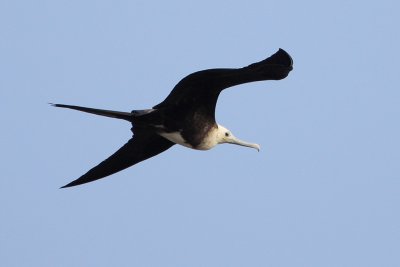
column 239, row 142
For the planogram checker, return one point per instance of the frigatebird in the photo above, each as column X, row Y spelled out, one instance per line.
column 185, row 117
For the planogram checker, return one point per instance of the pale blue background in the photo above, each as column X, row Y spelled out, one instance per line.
column 323, row 191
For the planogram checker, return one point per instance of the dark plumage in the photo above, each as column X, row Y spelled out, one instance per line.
column 186, row 116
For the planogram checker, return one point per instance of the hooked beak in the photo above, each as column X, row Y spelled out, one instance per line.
column 236, row 141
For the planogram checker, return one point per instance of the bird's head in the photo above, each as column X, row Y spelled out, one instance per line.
column 226, row 136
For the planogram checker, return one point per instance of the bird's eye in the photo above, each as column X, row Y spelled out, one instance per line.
column 226, row 134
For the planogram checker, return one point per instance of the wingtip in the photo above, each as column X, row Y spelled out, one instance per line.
column 65, row 186
column 73, row 183
column 275, row 67
column 285, row 57
column 280, row 58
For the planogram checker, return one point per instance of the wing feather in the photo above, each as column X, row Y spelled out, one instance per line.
column 204, row 87
column 140, row 147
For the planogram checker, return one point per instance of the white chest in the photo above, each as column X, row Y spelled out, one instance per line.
column 176, row 137
column 207, row 143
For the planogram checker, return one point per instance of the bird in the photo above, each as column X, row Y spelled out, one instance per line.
column 185, row 117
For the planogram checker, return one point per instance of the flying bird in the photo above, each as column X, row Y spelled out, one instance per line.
column 186, row 117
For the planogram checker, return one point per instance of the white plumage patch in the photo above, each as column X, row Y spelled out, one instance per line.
column 207, row 143
column 177, row 138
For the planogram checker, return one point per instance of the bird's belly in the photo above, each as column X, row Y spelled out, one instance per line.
column 177, row 138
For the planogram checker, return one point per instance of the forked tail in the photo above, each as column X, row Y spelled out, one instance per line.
column 102, row 112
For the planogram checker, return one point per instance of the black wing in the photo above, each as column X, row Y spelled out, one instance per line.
column 140, row 147
column 203, row 88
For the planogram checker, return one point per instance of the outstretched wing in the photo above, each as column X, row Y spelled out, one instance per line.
column 140, row 147
column 203, row 88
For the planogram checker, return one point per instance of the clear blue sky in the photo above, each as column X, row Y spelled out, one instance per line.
column 323, row 191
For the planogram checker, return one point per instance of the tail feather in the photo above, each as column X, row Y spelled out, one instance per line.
column 102, row 112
